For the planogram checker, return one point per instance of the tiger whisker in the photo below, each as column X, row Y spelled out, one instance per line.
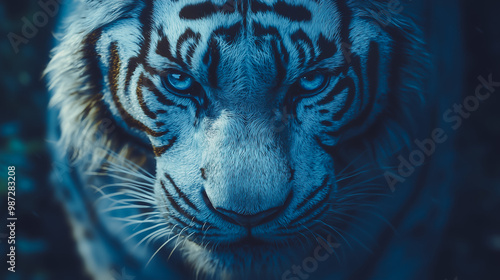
column 158, row 250
column 154, row 233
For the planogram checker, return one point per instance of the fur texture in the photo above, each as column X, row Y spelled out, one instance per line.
column 246, row 138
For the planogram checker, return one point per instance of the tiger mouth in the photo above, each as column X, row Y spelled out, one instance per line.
column 248, row 221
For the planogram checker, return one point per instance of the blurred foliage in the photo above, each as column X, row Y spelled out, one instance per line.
column 45, row 249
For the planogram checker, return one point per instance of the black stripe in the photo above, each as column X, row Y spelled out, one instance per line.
column 292, row 174
column 280, row 54
column 284, row 51
column 291, row 12
column 184, row 224
column 205, row 10
column 180, row 193
column 339, row 88
column 259, row 30
column 311, row 210
column 280, row 68
column 113, row 81
column 203, row 173
column 298, row 36
column 372, row 66
column 188, row 34
column 351, row 94
column 90, row 56
column 158, row 151
column 140, row 99
column 163, row 49
column 198, row 11
column 313, row 194
column 214, row 53
column 205, row 225
column 146, row 19
column 257, row 6
column 326, row 48
column 308, row 219
column 345, row 21
column 229, row 34
column 191, row 50
column 177, row 207
column 356, row 66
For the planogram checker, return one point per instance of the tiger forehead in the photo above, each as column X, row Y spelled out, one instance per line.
column 290, row 10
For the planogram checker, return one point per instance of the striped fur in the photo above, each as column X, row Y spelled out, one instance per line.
column 246, row 138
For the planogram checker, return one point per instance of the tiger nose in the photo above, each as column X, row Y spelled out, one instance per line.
column 247, row 220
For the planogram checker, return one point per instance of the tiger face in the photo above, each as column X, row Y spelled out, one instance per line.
column 242, row 103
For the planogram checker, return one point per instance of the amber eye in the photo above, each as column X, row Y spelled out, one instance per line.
column 313, row 82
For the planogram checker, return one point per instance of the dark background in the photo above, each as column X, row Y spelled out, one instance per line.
column 45, row 250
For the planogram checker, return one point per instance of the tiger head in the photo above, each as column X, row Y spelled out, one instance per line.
column 242, row 105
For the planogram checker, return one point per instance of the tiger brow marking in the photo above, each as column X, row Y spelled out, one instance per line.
column 296, row 38
column 192, row 47
column 327, row 48
column 280, row 54
column 147, row 22
column 113, row 81
column 296, row 13
column 204, row 10
column 163, row 47
column 212, row 55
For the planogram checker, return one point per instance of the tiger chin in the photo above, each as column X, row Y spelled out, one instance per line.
column 238, row 138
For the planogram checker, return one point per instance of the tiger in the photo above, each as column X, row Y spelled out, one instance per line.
column 248, row 139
